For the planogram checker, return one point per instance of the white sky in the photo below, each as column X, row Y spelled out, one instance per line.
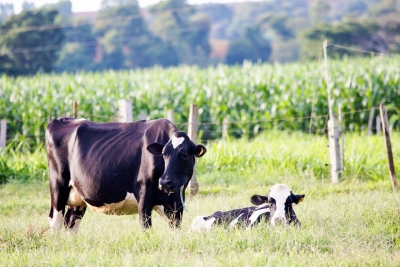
column 94, row 5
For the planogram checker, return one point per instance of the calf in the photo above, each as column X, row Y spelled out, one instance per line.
column 276, row 207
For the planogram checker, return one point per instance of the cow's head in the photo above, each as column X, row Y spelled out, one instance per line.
column 179, row 157
column 280, row 200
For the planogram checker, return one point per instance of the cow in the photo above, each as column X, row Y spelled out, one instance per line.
column 118, row 168
column 276, row 208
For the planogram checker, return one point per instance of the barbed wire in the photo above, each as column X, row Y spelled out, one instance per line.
column 354, row 49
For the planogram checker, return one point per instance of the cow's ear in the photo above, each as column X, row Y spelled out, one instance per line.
column 258, row 200
column 199, row 151
column 297, row 198
column 155, row 149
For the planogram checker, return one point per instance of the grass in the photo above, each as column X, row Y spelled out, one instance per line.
column 355, row 228
column 353, row 223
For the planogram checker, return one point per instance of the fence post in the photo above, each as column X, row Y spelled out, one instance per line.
column 3, row 133
column 225, row 128
column 125, row 110
column 75, row 108
column 142, row 115
column 378, row 125
column 333, row 131
column 170, row 115
column 370, row 120
column 192, row 132
column 386, row 134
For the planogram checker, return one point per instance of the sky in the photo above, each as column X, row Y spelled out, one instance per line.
column 94, row 5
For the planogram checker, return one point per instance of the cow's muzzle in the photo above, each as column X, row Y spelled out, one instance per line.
column 166, row 184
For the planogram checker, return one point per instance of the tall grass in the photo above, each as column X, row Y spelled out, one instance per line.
column 232, row 164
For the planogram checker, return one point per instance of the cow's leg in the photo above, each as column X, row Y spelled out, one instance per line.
column 145, row 207
column 59, row 190
column 73, row 217
column 174, row 214
column 173, row 209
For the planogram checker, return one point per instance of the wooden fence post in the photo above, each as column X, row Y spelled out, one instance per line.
column 225, row 128
column 386, row 134
column 3, row 134
column 125, row 110
column 333, row 131
column 170, row 115
column 75, row 108
column 192, row 133
column 142, row 115
column 370, row 120
column 378, row 125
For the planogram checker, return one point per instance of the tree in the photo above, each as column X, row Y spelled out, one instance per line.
column 251, row 46
column 79, row 49
column 350, row 33
column 178, row 23
column 319, row 11
column 6, row 10
column 31, row 50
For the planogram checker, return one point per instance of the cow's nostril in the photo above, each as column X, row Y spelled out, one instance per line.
column 166, row 184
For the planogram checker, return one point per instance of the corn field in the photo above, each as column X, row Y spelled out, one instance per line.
column 255, row 97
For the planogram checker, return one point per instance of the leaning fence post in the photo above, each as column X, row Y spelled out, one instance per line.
column 192, row 132
column 125, row 110
column 386, row 134
column 3, row 133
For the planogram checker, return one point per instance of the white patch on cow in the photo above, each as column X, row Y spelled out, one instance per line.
column 280, row 193
column 75, row 228
column 57, row 222
column 235, row 221
column 199, row 224
column 160, row 210
column 257, row 214
column 127, row 206
column 176, row 141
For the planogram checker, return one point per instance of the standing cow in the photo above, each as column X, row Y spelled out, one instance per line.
column 118, row 168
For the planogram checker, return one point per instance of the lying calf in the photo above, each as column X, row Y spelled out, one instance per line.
column 276, row 207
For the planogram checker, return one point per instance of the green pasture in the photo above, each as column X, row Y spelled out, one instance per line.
column 353, row 223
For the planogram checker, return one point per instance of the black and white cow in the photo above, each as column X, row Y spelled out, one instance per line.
column 118, row 168
column 276, row 207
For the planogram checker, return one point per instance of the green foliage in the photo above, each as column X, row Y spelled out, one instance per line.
column 350, row 33
column 250, row 47
column 256, row 97
column 23, row 48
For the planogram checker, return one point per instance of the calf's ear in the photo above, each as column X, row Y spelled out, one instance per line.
column 199, row 151
column 297, row 198
column 155, row 149
column 258, row 200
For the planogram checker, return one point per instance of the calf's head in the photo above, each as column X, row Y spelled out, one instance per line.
column 280, row 199
column 179, row 157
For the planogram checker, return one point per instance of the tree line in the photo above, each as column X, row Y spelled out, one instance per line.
column 122, row 35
